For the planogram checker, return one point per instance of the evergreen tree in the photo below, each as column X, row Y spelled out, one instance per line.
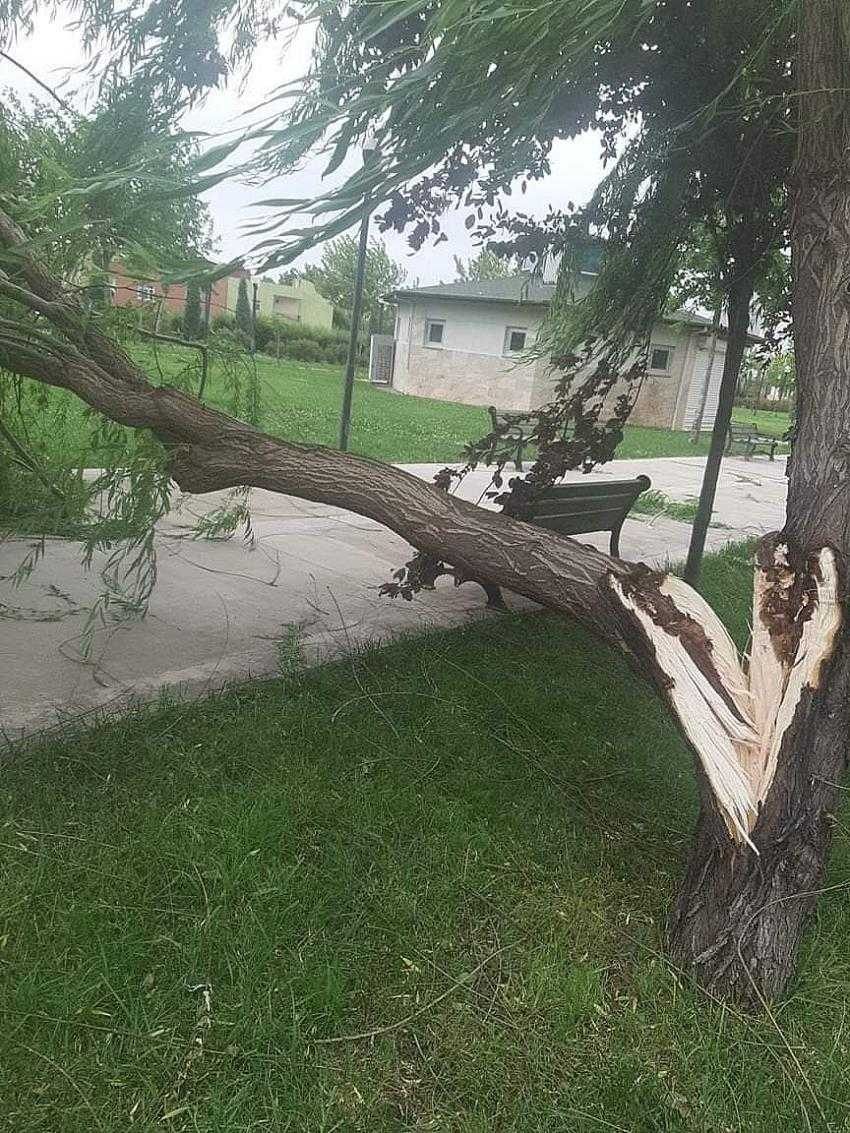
column 244, row 316
column 192, row 312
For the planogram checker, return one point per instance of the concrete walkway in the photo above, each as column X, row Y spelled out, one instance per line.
column 221, row 612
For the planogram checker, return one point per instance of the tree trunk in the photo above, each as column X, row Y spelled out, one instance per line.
column 738, row 919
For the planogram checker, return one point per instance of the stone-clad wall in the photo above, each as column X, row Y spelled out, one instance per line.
column 470, row 366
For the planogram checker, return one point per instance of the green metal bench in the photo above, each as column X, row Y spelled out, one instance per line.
column 576, row 509
column 748, row 440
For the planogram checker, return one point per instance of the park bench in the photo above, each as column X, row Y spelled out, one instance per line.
column 516, row 426
column 748, row 440
column 575, row 509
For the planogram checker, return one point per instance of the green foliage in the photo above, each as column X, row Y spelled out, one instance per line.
column 656, row 503
column 244, row 314
column 770, row 382
column 192, row 322
column 304, row 350
column 48, row 439
column 90, row 188
column 273, row 332
column 334, row 276
column 486, row 265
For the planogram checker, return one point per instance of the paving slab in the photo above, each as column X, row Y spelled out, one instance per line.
column 222, row 611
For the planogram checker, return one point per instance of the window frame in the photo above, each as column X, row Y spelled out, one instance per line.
column 506, row 343
column 146, row 292
column 428, row 341
column 660, row 369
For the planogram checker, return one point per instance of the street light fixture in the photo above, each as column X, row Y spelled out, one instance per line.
column 370, row 149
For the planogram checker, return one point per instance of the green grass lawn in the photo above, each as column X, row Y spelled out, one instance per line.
column 769, row 422
column 461, row 846
column 301, row 402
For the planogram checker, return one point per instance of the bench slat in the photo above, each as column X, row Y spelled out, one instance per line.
column 581, row 523
column 614, row 489
column 567, row 506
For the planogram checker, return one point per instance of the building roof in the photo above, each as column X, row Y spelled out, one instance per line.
column 523, row 288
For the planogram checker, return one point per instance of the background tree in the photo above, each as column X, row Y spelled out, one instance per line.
column 290, row 277
column 192, row 318
column 95, row 181
column 486, row 265
column 334, row 275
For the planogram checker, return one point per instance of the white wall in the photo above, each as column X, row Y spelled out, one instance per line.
column 470, row 328
column 469, row 365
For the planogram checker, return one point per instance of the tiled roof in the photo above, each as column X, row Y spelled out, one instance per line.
column 522, row 288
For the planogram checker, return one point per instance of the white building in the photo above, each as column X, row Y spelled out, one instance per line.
column 465, row 342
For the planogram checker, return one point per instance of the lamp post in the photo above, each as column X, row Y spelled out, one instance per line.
column 370, row 148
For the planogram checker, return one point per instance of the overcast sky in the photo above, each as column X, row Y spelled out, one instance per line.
column 54, row 48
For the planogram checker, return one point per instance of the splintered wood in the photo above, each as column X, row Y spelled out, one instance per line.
column 735, row 711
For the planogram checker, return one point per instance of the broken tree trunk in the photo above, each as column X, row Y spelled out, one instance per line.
column 739, row 916
column 741, row 724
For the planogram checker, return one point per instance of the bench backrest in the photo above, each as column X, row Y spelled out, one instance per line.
column 742, row 430
column 512, row 417
column 578, row 509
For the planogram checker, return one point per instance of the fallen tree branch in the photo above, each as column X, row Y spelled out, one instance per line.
column 733, row 720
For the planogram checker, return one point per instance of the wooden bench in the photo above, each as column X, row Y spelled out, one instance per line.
column 749, row 440
column 516, row 426
column 577, row 509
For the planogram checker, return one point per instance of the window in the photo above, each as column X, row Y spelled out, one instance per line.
column 434, row 332
column 515, row 339
column 146, row 292
column 659, row 358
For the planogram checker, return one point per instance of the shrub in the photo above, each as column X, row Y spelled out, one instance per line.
column 264, row 334
column 304, row 350
column 336, row 354
column 223, row 322
column 244, row 313
column 275, row 333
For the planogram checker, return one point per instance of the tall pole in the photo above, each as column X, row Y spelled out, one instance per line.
column 370, row 149
column 356, row 312
column 739, row 321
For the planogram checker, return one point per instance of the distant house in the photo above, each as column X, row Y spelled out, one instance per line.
column 465, row 342
column 297, row 302
column 132, row 290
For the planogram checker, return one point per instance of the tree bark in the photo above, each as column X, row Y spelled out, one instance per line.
column 738, row 919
